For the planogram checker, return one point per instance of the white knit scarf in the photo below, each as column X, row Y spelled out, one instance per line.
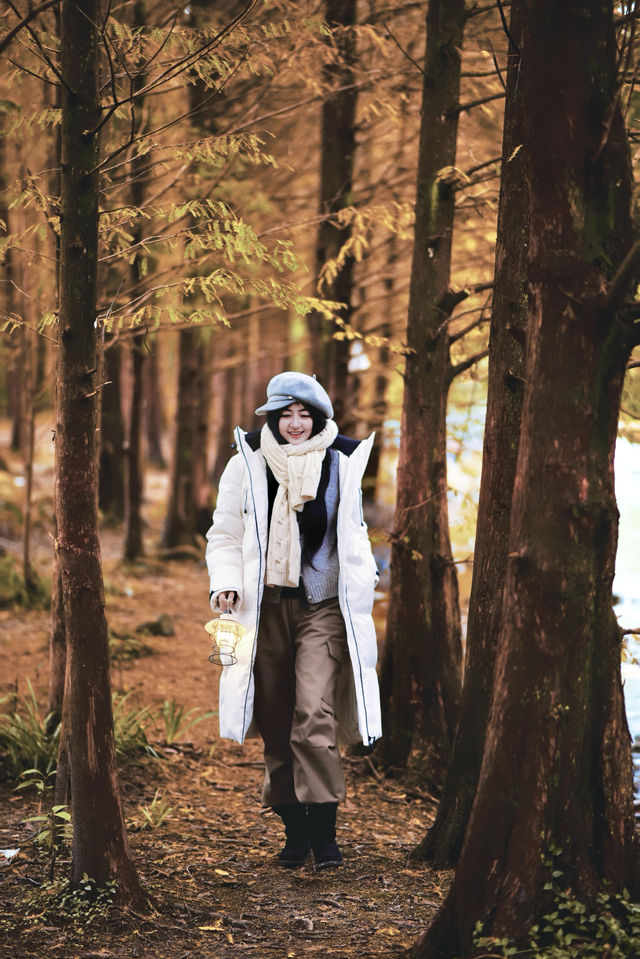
column 297, row 468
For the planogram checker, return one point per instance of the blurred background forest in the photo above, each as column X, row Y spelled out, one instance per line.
column 254, row 159
column 224, row 211
column 258, row 183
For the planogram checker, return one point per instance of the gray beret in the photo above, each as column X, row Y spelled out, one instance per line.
column 290, row 387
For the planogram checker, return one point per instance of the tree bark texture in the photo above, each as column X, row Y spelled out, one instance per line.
column 555, row 785
column 181, row 524
column 338, row 144
column 505, row 391
column 57, row 647
column 225, row 384
column 140, row 178
column 134, row 489
column 58, row 636
column 189, row 461
column 112, row 455
column 421, row 667
column 9, row 288
column 154, row 406
column 100, row 848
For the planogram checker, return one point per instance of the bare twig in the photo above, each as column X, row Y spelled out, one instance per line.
column 461, row 107
column 401, row 48
column 459, row 368
column 26, row 20
column 621, row 282
column 505, row 27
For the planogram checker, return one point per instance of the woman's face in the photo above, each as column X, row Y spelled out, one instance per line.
column 295, row 424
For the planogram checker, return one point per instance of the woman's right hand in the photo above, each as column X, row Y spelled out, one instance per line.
column 227, row 601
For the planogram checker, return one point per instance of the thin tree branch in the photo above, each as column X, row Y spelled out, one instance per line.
column 125, row 146
column 461, row 107
column 620, row 284
column 401, row 48
column 34, row 36
column 505, row 27
column 26, row 20
column 477, row 10
column 466, row 364
column 482, row 166
column 469, row 327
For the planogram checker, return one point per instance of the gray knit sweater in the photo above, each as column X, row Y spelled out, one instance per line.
column 320, row 579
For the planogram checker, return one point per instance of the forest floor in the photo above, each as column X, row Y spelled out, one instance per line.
column 204, row 848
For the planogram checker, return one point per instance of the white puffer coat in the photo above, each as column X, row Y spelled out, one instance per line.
column 236, row 551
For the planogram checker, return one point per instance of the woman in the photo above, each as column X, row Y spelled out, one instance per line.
column 288, row 552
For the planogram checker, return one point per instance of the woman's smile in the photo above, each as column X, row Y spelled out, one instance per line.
column 295, row 424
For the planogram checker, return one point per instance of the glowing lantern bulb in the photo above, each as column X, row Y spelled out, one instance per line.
column 225, row 633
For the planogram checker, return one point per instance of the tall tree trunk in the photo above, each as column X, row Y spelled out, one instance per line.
column 153, row 406
column 112, row 445
column 501, row 435
column 337, row 148
column 555, row 787
column 188, row 485
column 421, row 667
column 133, row 524
column 58, row 635
column 100, row 847
column 57, row 647
column 224, row 384
column 140, row 177
column 9, row 290
column 181, row 524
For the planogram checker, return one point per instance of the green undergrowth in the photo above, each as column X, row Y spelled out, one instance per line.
column 79, row 909
column 15, row 592
column 572, row 930
column 29, row 736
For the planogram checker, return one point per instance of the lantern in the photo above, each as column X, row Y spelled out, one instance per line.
column 225, row 633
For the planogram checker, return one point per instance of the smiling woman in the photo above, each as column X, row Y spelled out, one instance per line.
column 295, row 423
column 289, row 553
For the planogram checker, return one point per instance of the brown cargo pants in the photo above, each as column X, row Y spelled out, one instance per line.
column 300, row 652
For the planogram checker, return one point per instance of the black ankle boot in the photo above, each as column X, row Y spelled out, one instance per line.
column 322, row 829
column 296, row 826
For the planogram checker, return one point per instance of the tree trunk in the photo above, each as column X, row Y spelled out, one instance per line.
column 422, row 658
column 58, row 636
column 112, row 454
column 133, row 525
column 501, row 434
column 140, row 178
column 555, row 788
column 225, row 383
column 181, row 523
column 154, row 407
column 9, row 290
column 336, row 183
column 57, row 647
column 100, row 848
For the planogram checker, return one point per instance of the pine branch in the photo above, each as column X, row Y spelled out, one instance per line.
column 45, row 56
column 26, row 20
